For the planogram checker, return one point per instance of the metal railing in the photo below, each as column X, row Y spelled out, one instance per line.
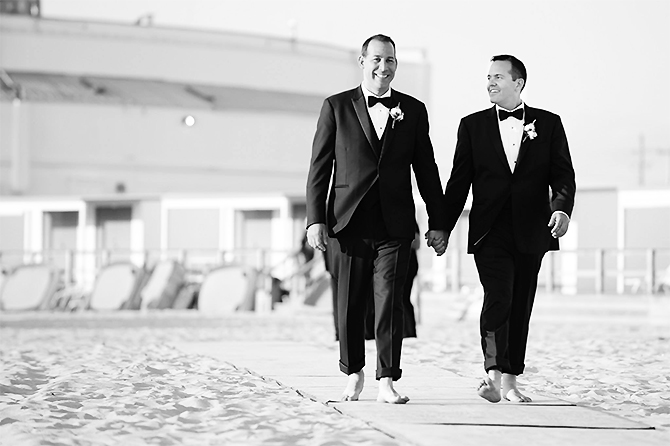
column 581, row 271
column 599, row 271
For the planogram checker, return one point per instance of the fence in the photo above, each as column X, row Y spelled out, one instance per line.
column 598, row 271
column 582, row 271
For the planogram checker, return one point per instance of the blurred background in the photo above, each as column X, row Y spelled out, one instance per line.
column 159, row 143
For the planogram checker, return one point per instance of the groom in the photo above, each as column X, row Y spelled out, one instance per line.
column 517, row 161
column 367, row 142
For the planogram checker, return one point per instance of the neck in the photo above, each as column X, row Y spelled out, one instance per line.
column 376, row 91
column 511, row 105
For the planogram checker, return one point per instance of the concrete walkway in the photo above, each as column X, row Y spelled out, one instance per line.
column 444, row 407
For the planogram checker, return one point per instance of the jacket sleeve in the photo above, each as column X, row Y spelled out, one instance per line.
column 562, row 173
column 462, row 173
column 428, row 175
column 321, row 165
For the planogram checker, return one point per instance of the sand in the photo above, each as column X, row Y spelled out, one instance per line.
column 115, row 378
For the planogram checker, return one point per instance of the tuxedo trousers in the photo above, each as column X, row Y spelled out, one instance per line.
column 370, row 269
column 409, row 320
column 509, row 279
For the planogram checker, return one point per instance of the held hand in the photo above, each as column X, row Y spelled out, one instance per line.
column 559, row 223
column 317, row 236
column 438, row 240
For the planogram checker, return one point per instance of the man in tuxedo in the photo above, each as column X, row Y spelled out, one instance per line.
column 360, row 203
column 516, row 159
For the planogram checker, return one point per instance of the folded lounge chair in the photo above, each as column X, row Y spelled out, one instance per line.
column 225, row 289
column 30, row 287
column 164, row 285
column 117, row 287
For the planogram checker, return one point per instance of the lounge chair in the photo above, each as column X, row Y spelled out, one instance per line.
column 30, row 287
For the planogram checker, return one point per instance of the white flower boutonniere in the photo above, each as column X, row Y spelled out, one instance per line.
column 396, row 114
column 529, row 131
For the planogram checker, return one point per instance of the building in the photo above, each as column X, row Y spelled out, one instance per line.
column 129, row 139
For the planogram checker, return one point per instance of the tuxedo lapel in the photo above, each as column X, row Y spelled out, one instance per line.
column 496, row 139
column 361, row 108
column 529, row 117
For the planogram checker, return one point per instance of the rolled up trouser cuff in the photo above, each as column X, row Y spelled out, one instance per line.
column 389, row 372
column 495, row 363
column 516, row 369
column 352, row 369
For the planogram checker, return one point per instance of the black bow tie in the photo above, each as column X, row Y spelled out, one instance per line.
column 504, row 114
column 386, row 102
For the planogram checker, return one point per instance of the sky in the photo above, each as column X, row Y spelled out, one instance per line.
column 602, row 65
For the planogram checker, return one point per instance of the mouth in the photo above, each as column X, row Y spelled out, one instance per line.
column 381, row 76
column 493, row 91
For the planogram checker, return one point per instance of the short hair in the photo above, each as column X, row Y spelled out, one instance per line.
column 381, row 38
column 518, row 68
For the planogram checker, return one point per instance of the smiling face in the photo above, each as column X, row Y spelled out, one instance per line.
column 379, row 65
column 502, row 89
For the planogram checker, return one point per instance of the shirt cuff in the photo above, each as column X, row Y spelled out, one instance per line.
column 561, row 212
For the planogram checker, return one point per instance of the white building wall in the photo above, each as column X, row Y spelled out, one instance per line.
column 151, row 151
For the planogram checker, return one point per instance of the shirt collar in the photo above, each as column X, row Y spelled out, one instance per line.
column 498, row 108
column 367, row 93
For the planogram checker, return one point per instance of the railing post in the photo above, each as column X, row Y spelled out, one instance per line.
column 600, row 271
column 651, row 271
column 620, row 271
column 260, row 260
column 550, row 272
column 106, row 257
column 69, row 266
column 455, row 271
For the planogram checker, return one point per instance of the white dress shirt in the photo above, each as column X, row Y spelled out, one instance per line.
column 378, row 113
column 511, row 132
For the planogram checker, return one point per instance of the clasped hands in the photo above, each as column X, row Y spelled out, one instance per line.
column 438, row 240
column 317, row 237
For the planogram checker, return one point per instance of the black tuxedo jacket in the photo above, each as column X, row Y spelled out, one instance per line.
column 348, row 158
column 543, row 180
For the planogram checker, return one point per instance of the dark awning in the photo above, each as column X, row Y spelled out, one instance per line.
column 49, row 87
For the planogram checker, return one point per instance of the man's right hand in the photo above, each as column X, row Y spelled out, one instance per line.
column 438, row 240
column 317, row 236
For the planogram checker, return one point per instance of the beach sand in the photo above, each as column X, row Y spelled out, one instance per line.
column 115, row 378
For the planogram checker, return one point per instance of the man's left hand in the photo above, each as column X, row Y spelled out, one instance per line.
column 559, row 223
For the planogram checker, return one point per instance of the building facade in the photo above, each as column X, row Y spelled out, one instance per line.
column 136, row 142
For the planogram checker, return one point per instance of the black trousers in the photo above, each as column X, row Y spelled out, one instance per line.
column 509, row 279
column 409, row 321
column 377, row 269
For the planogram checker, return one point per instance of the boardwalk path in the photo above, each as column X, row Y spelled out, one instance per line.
column 182, row 378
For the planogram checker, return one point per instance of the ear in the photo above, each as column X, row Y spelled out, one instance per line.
column 360, row 61
column 520, row 83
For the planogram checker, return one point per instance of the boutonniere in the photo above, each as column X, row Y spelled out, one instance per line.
column 396, row 114
column 529, row 131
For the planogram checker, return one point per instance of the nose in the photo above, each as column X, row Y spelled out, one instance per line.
column 382, row 65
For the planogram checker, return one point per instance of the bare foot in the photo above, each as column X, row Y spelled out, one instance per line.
column 387, row 394
column 354, row 387
column 516, row 397
column 489, row 387
column 488, row 390
column 510, row 390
